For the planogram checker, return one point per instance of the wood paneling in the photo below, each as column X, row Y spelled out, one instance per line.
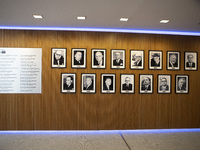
column 53, row 110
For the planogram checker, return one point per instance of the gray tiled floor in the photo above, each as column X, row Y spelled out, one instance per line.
column 101, row 140
column 62, row 141
column 187, row 140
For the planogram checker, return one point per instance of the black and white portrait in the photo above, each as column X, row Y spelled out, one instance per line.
column 68, row 82
column 127, row 83
column 164, row 84
column 191, row 60
column 107, row 83
column 78, row 58
column 98, row 58
column 88, row 83
column 173, row 60
column 58, row 57
column 118, row 59
column 146, row 83
column 136, row 59
column 155, row 60
column 182, row 84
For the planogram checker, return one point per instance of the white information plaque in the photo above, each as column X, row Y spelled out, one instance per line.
column 20, row 70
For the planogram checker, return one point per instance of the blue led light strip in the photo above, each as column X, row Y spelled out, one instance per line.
column 102, row 30
column 145, row 131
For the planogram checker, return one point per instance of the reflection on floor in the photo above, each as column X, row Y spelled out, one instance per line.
column 165, row 139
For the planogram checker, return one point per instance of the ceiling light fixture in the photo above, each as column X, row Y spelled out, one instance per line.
column 164, row 21
column 123, row 19
column 37, row 16
column 81, row 17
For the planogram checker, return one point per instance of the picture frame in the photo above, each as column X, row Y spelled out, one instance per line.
column 58, row 57
column 182, row 84
column 108, row 83
column 164, row 83
column 68, row 82
column 127, row 83
column 173, row 60
column 137, row 59
column 155, row 59
column 118, row 59
column 190, row 61
column 88, row 83
column 98, row 58
column 146, row 83
column 79, row 56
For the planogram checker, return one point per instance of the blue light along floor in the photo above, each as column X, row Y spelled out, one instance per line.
column 99, row 131
column 160, row 139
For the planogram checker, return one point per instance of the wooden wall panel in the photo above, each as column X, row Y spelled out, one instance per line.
column 53, row 110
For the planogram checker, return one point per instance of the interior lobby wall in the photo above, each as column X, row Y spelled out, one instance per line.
column 53, row 110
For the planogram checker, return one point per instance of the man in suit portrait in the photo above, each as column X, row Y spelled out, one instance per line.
column 127, row 85
column 68, row 85
column 98, row 61
column 137, row 60
column 78, row 58
column 163, row 84
column 88, row 83
column 146, row 84
column 181, row 84
column 117, row 61
column 108, row 83
column 173, row 60
column 58, row 58
column 155, row 61
column 190, row 63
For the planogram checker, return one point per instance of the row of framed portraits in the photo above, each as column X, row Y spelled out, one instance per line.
column 118, row 59
column 127, row 83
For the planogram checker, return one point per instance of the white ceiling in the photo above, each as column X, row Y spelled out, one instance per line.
column 184, row 15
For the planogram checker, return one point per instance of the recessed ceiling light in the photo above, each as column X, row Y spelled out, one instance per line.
column 123, row 19
column 37, row 16
column 164, row 21
column 81, row 17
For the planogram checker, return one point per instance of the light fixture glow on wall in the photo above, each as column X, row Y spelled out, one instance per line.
column 81, row 17
column 164, row 21
column 123, row 19
column 37, row 16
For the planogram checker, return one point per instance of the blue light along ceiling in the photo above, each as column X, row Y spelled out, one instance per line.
column 103, row 30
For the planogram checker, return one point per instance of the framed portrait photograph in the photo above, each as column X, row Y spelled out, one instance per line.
column 146, row 84
column 118, row 59
column 68, row 82
column 88, row 83
column 136, row 59
column 164, row 83
column 79, row 57
column 108, row 83
column 98, row 58
column 173, row 60
column 127, row 82
column 191, row 61
column 182, row 84
column 58, row 57
column 155, row 59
